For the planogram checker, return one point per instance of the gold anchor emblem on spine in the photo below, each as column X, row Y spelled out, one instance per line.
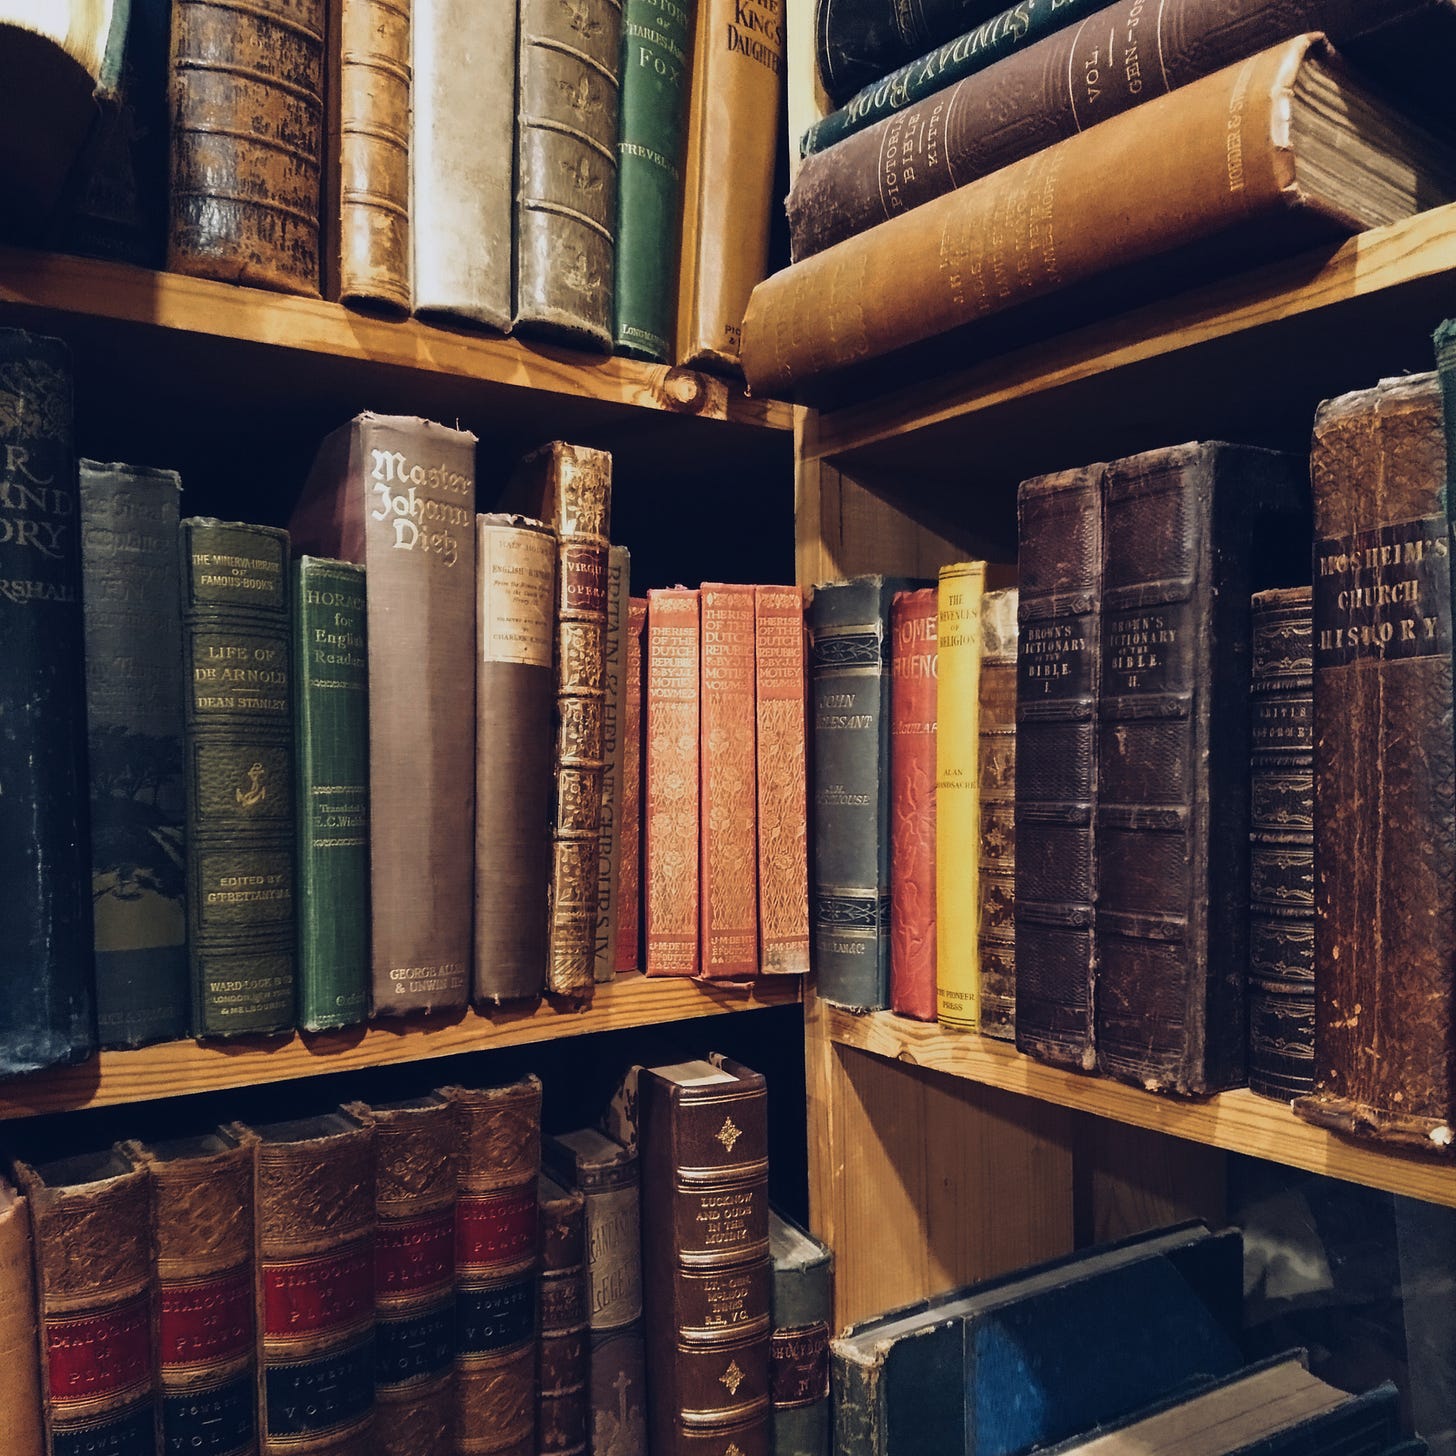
column 256, row 792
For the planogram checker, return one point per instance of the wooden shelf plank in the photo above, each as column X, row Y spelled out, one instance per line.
column 176, row 1068
column 1239, row 1122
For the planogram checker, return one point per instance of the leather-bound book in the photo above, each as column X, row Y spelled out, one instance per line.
column 803, row 1310
column 671, row 809
column 996, row 785
column 570, row 488
column 203, row 1247
column 20, row 1396
column 857, row 43
column 1058, row 679
column 1281, row 845
column 134, row 695
column 95, row 1297
column 780, row 682
column 1384, row 765
column 396, row 495
column 247, row 142
column 332, row 683
column 414, row 1274
column 1179, row 533
column 47, row 1013
column 314, row 1283
column 563, row 1401
column 236, row 639
column 728, row 184
column 515, row 691
column 629, row 858
column 914, row 664
column 728, row 768
column 462, row 157
column 614, row 707
column 498, row 1163
column 566, row 168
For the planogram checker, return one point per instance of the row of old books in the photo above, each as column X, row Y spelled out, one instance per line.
column 963, row 176
column 429, row 1277
column 543, row 166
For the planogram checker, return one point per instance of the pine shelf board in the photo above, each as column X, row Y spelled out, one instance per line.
column 1238, row 1122
column 176, row 1068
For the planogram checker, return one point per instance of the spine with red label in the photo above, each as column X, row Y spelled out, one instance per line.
column 203, row 1235
column 314, row 1284
column 95, row 1297
column 498, row 1165
column 563, row 1400
column 414, row 1274
column 629, row 868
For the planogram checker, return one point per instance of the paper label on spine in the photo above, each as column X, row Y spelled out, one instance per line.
column 517, row 595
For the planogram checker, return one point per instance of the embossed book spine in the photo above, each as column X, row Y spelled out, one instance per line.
column 242, row 939
column 1173, row 761
column 462, row 157
column 1281, row 845
column 1058, row 679
column 414, row 1274
column 498, row 1152
column 134, row 736
column 803, row 1309
column 629, row 870
column 728, row 769
column 202, row 1245
column 19, row 1336
column 247, row 142
column 781, row 680
column 704, row 1150
column 563, row 1352
column 47, row 1013
column 859, row 42
column 670, row 820
column 914, row 666
column 95, row 1297
column 997, row 836
column 314, row 1284
column 1384, row 763
column 396, row 495
column 610, row 842
column 332, row 685
column 566, row 168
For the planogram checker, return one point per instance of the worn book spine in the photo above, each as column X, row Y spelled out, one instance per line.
column 1058, row 681
column 202, row 1245
column 733, row 133
column 1384, row 764
column 656, row 63
column 566, row 168
column 515, row 628
column 332, row 747
column 781, row 680
column 462, row 128
column 20, row 1395
column 47, row 1014
column 614, row 707
column 498, row 1143
column 629, row 876
column 396, row 495
column 802, row 1305
column 563, row 1404
column 728, row 776
column 914, row 668
column 858, row 41
column 95, row 1303
column 671, row 886
column 997, row 830
column 247, row 142
column 1281, row 845
column 242, row 939
column 133, row 617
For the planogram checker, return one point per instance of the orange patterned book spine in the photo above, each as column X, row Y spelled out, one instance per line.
column 783, row 804
column 629, row 872
column 671, row 820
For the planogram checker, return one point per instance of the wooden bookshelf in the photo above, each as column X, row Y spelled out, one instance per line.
column 175, row 1068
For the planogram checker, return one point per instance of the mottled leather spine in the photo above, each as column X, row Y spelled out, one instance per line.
column 996, row 783
column 803, row 1310
column 19, row 1336
column 563, row 1397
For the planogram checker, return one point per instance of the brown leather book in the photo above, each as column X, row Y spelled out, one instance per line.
column 498, row 1162
column 91, row 1219
column 1385, row 1016
column 562, row 1358
column 614, row 707
column 996, row 784
column 19, row 1338
column 629, row 859
column 670, row 816
column 515, row 693
column 780, row 682
column 728, row 769
column 913, row 658
column 396, row 495
column 570, row 488
column 247, row 139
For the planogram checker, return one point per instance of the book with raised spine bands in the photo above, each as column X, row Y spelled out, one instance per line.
column 803, row 1310
column 563, row 1396
column 629, row 869
column 20, row 1396
column 997, row 839
column 515, row 690
column 611, row 839
column 134, row 693
column 236, row 640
